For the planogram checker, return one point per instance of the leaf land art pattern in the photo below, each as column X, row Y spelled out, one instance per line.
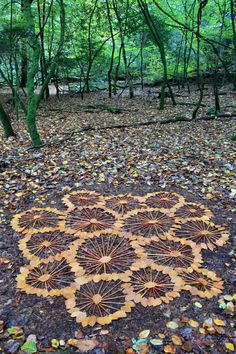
column 105, row 254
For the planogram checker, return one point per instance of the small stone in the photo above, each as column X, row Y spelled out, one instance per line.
column 12, row 347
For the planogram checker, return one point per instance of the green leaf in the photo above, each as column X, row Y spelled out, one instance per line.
column 16, row 332
column 29, row 347
column 172, row 325
column 156, row 341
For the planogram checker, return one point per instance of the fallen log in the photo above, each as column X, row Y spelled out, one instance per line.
column 184, row 119
column 91, row 108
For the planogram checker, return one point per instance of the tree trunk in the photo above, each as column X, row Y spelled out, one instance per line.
column 159, row 42
column 31, row 73
column 24, row 64
column 122, row 32
column 113, row 49
column 202, row 4
column 232, row 13
column 117, row 72
column 31, row 122
column 6, row 123
column 141, row 60
column 35, row 50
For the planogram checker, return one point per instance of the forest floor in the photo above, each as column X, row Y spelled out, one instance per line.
column 195, row 159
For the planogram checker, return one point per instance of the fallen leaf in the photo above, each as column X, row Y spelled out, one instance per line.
column 172, row 325
column 193, row 323
column 15, row 332
column 29, row 347
column 55, row 343
column 156, row 342
column 229, row 346
column 176, row 340
column 219, row 322
column 169, row 349
column 84, row 345
column 144, row 334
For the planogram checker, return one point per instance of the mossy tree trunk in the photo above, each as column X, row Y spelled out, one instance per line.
column 6, row 123
column 32, row 70
column 33, row 100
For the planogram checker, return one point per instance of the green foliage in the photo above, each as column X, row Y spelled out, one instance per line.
column 29, row 347
column 82, row 15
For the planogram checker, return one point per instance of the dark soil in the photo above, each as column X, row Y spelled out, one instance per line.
column 29, row 179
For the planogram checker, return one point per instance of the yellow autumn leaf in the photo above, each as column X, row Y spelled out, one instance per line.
column 55, row 343
column 176, row 340
column 229, row 346
column 202, row 331
column 193, row 323
column 219, row 322
column 144, row 334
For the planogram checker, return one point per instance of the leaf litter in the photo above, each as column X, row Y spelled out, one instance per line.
column 196, row 158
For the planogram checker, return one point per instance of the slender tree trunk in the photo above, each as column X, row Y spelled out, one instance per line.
column 158, row 40
column 113, row 49
column 24, row 64
column 127, row 73
column 216, row 93
column 43, row 66
column 141, row 60
column 232, row 14
column 24, row 59
column 122, row 31
column 202, row 4
column 6, row 123
column 117, row 72
column 90, row 49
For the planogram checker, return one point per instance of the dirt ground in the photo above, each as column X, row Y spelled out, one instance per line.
column 197, row 160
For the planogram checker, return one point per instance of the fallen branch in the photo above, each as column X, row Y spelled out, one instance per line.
column 91, row 108
column 175, row 120
column 184, row 119
column 189, row 104
column 218, row 116
column 115, row 126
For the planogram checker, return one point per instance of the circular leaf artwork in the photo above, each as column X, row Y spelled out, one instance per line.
column 99, row 302
column 105, row 254
column 148, row 223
